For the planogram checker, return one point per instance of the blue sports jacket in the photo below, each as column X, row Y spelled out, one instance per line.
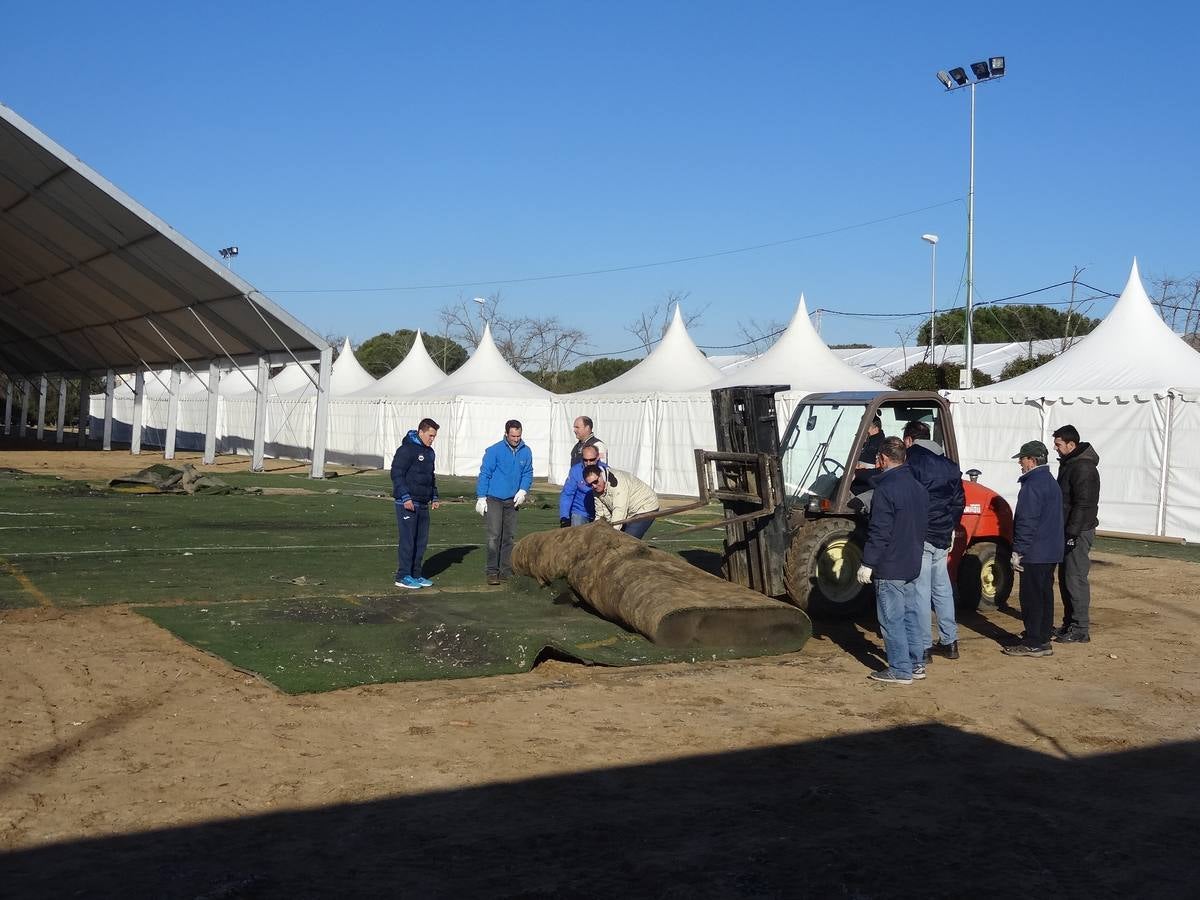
column 576, row 496
column 412, row 471
column 1038, row 520
column 896, row 533
column 505, row 470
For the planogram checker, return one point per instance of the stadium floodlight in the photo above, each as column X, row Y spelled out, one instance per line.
column 984, row 71
column 229, row 252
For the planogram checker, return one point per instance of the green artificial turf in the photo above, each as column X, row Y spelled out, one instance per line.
column 321, row 644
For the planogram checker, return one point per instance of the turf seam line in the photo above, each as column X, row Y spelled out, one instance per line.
column 25, row 582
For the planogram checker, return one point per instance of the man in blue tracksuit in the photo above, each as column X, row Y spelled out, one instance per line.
column 577, row 503
column 414, row 488
column 942, row 480
column 505, row 477
column 1037, row 547
column 892, row 556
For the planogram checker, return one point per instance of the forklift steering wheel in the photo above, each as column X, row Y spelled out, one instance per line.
column 833, row 467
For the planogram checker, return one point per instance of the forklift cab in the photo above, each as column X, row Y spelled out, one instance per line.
column 822, row 447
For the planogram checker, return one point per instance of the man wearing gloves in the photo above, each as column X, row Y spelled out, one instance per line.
column 1037, row 547
column 505, row 477
column 621, row 496
column 576, row 503
column 892, row 556
column 414, row 488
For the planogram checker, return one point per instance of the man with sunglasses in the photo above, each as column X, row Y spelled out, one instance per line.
column 576, row 503
column 620, row 496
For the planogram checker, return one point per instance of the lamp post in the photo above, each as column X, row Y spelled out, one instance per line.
column 991, row 68
column 932, row 240
column 482, row 315
column 227, row 254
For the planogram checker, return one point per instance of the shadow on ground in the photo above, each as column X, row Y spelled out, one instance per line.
column 913, row 811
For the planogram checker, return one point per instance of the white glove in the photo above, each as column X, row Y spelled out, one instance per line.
column 864, row 574
column 519, row 498
column 481, row 506
column 1016, row 563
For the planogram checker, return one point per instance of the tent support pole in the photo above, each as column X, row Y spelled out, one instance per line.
column 25, row 391
column 321, row 423
column 110, row 387
column 210, row 417
column 62, row 409
column 43, row 388
column 8, row 404
column 139, row 395
column 172, row 415
column 85, row 411
column 1161, row 530
column 260, row 416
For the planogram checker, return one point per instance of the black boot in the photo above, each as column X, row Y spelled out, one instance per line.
column 950, row 651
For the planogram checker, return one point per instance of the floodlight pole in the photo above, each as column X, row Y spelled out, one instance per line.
column 967, row 334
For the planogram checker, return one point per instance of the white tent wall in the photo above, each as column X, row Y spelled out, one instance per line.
column 626, row 425
column 684, row 423
column 1181, row 517
column 478, row 422
column 990, row 429
column 400, row 416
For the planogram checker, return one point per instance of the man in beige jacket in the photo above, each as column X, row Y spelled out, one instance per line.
column 621, row 496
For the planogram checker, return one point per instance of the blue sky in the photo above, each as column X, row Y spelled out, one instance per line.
column 370, row 145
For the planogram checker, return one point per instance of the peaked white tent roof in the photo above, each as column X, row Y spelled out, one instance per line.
column 416, row 372
column 676, row 365
column 294, row 378
column 485, row 374
column 800, row 359
column 347, row 374
column 1132, row 352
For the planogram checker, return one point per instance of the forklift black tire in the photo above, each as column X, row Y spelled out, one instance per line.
column 820, row 570
column 985, row 576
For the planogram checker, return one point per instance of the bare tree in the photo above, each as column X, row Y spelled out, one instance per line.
column 651, row 325
column 1178, row 302
column 760, row 335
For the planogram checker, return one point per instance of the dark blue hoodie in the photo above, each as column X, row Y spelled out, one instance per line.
column 412, row 471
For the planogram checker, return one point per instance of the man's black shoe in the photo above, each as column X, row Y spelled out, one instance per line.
column 1072, row 636
column 928, row 658
column 950, row 650
column 1060, row 631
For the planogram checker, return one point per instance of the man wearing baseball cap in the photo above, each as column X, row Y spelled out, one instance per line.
column 1037, row 547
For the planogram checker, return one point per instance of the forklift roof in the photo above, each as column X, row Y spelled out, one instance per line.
column 846, row 398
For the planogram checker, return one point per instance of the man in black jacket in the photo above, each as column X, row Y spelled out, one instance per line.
column 892, row 556
column 1037, row 547
column 1079, row 480
column 942, row 479
column 414, row 488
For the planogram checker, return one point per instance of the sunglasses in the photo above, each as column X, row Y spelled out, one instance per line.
column 593, row 482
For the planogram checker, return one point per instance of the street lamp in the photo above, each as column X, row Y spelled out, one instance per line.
column 482, row 310
column 932, row 240
column 227, row 254
column 986, row 70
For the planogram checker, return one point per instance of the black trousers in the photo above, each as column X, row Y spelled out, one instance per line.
column 1073, row 585
column 1037, row 602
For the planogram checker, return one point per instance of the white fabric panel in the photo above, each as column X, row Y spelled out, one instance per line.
column 989, row 433
column 399, row 417
column 1183, row 473
column 355, row 433
column 478, row 422
column 684, row 423
column 1127, row 435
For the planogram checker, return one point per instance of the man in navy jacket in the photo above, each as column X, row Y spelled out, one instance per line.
column 892, row 556
column 577, row 503
column 414, row 488
column 942, row 480
column 505, row 477
column 1037, row 547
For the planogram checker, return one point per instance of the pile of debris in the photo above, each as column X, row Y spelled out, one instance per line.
column 163, row 479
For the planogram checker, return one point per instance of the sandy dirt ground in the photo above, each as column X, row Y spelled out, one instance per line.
column 132, row 764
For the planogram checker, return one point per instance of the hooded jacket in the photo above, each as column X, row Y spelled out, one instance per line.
column 505, row 470
column 412, row 471
column 942, row 479
column 625, row 496
column 1038, row 520
column 1079, row 481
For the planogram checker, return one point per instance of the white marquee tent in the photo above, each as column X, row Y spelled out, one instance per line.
column 1132, row 389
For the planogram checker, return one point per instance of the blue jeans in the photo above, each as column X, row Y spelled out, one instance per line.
column 638, row 529
column 579, row 519
column 896, row 604
column 933, row 586
column 413, row 528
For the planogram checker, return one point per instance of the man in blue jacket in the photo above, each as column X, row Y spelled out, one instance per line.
column 505, row 477
column 1037, row 547
column 892, row 556
column 942, row 480
column 577, row 503
column 414, row 488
